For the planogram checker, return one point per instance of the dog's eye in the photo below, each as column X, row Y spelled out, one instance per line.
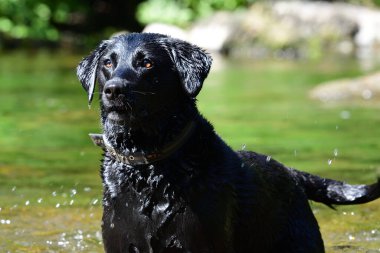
column 108, row 63
column 147, row 63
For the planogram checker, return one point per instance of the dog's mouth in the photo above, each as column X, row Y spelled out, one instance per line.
column 117, row 109
column 117, row 113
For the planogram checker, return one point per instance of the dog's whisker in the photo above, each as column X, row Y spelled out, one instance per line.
column 143, row 92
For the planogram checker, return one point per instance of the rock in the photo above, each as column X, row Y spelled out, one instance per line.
column 212, row 33
column 215, row 32
column 291, row 29
column 342, row 19
column 367, row 88
column 166, row 29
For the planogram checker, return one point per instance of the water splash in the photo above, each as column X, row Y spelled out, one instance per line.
column 5, row 222
column 79, row 235
column 73, row 192
column 87, row 189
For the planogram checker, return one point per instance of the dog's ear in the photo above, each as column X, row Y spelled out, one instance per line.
column 192, row 63
column 86, row 70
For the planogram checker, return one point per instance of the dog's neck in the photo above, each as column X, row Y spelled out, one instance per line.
column 161, row 135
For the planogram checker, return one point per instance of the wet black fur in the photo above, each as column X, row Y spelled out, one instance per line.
column 205, row 197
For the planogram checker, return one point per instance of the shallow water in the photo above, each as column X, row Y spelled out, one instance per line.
column 50, row 189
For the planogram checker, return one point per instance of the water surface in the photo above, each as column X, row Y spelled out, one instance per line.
column 50, row 189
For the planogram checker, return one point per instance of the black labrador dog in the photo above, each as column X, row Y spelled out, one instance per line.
column 171, row 184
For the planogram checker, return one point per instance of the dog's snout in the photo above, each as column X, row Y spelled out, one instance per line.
column 113, row 89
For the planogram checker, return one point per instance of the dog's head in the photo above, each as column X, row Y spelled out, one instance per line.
column 143, row 74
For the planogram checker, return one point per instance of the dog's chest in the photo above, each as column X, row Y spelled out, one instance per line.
column 148, row 210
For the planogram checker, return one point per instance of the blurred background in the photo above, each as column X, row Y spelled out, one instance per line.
column 296, row 80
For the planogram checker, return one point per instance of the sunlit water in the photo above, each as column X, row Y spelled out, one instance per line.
column 50, row 188
column 56, row 226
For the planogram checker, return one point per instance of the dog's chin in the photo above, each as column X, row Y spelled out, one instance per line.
column 117, row 117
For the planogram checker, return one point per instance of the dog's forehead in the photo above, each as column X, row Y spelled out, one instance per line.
column 129, row 43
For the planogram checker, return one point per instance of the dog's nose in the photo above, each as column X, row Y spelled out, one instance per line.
column 112, row 90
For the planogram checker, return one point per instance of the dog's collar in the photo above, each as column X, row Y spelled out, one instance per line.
column 141, row 158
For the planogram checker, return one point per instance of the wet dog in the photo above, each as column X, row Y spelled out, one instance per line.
column 171, row 184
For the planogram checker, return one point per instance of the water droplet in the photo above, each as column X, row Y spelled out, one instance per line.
column 351, row 237
column 54, row 194
column 243, row 147
column 57, row 205
column 14, row 188
column 27, row 203
column 112, row 225
column 268, row 158
column 87, row 189
column 71, row 202
column 73, row 192
column 329, row 162
column 39, row 201
column 336, row 152
column 95, row 201
column 63, row 244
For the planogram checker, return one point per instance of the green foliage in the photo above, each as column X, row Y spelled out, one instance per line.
column 182, row 12
column 22, row 19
